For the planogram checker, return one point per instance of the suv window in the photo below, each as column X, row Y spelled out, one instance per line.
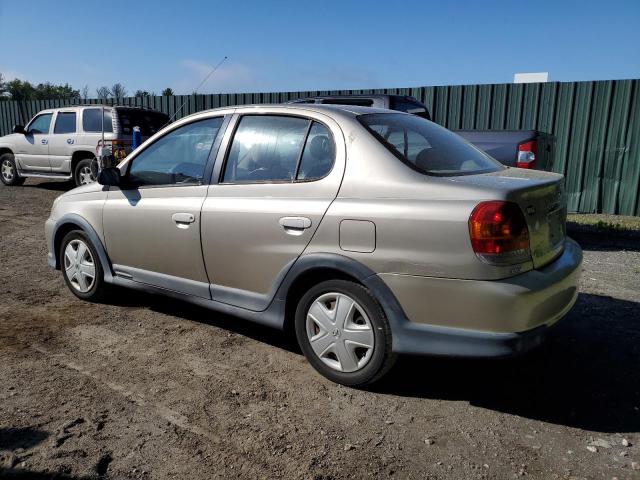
column 91, row 121
column 150, row 122
column 362, row 102
column 409, row 106
column 427, row 147
column 41, row 123
column 65, row 122
column 179, row 157
column 319, row 154
column 266, row 148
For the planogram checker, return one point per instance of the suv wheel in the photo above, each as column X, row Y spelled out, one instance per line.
column 85, row 172
column 344, row 333
column 81, row 267
column 9, row 171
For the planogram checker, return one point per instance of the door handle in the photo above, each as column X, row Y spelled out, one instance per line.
column 44, row 141
column 183, row 220
column 295, row 225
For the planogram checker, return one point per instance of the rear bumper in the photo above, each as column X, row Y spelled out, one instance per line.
column 474, row 318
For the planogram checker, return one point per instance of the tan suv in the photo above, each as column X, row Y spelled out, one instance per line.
column 369, row 232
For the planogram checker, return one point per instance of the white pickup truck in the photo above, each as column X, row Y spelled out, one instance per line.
column 61, row 143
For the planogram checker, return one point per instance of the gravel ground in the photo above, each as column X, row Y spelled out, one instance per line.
column 146, row 387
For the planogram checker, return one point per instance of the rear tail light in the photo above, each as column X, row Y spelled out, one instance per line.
column 499, row 233
column 527, row 154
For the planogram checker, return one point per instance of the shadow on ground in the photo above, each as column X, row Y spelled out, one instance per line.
column 188, row 311
column 587, row 375
column 12, row 438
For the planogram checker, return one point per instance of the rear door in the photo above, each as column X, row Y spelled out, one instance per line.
column 32, row 148
column 278, row 179
column 62, row 141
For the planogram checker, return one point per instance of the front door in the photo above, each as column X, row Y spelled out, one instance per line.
column 152, row 224
column 279, row 178
column 32, row 148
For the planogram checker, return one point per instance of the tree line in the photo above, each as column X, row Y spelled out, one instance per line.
column 17, row 89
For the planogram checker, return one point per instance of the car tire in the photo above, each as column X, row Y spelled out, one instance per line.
column 81, row 267
column 9, row 170
column 85, row 172
column 344, row 333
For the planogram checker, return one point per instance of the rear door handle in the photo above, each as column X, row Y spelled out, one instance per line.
column 183, row 220
column 295, row 225
column 44, row 141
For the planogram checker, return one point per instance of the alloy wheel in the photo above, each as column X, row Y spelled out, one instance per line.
column 8, row 171
column 340, row 332
column 79, row 266
column 86, row 175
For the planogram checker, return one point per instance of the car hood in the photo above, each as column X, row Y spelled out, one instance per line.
column 8, row 138
column 84, row 189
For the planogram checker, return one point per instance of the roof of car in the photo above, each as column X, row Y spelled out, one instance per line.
column 350, row 110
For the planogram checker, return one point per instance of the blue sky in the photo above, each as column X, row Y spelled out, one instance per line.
column 299, row 45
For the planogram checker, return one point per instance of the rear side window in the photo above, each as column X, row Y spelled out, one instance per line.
column 318, row 155
column 92, row 121
column 427, row 147
column 266, row 149
column 65, row 122
column 41, row 123
column 269, row 148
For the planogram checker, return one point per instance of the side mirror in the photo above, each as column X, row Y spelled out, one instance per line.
column 110, row 176
column 19, row 129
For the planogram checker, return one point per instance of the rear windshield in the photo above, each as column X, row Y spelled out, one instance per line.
column 427, row 147
column 148, row 121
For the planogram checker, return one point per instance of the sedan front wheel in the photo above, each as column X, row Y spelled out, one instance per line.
column 81, row 267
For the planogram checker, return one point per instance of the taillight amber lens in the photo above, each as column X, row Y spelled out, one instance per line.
column 499, row 233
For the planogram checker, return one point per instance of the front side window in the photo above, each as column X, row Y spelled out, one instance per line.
column 427, row 147
column 65, row 122
column 266, row 148
column 180, row 157
column 92, row 121
column 41, row 123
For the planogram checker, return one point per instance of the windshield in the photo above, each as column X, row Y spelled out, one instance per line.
column 427, row 147
column 149, row 121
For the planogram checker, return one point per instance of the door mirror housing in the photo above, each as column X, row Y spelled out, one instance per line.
column 110, row 176
column 19, row 129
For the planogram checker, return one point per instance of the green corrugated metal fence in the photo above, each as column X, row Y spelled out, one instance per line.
column 592, row 128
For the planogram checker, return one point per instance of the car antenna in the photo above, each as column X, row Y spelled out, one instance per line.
column 196, row 89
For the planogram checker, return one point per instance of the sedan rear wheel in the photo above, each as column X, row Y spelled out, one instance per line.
column 344, row 333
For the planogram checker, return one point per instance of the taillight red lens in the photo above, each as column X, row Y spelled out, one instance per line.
column 499, row 233
column 527, row 154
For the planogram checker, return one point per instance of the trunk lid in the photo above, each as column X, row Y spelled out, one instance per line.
column 540, row 196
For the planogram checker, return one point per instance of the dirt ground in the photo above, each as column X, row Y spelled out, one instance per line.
column 151, row 388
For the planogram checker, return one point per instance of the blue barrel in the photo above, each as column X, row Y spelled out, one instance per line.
column 137, row 138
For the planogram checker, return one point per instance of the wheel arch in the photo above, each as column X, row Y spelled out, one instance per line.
column 314, row 268
column 70, row 222
column 80, row 155
column 4, row 150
